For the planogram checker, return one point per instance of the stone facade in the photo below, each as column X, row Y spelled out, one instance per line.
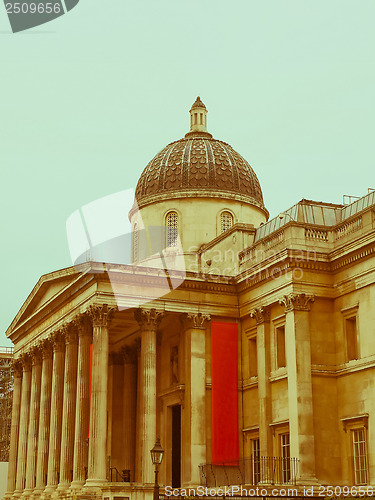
column 96, row 382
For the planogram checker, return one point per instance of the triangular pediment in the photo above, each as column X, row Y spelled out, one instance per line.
column 47, row 289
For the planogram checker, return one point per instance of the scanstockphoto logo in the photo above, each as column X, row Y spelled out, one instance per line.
column 26, row 14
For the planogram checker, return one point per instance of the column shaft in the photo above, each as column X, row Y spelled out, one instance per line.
column 298, row 358
column 32, row 445
column 24, row 425
column 148, row 395
column 15, row 426
column 56, row 413
column 97, row 465
column 262, row 316
column 44, row 417
column 82, row 404
column 149, row 321
column 69, row 407
column 129, row 411
column 195, row 393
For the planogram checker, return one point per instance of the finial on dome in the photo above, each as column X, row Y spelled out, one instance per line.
column 198, row 119
column 198, row 104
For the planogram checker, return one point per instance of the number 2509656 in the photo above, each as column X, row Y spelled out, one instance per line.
column 33, row 8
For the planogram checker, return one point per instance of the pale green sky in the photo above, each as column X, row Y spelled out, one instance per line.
column 90, row 98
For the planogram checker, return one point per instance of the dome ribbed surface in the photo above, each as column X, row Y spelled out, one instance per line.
column 198, row 163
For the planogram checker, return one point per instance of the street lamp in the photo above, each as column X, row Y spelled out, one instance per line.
column 283, row 214
column 157, row 454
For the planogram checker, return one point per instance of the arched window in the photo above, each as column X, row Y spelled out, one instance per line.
column 172, row 229
column 226, row 221
column 135, row 243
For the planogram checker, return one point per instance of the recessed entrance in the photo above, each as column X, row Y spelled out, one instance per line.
column 176, row 446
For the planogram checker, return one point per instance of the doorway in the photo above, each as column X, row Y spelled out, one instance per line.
column 176, row 446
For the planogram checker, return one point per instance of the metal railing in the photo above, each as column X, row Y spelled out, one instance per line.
column 6, row 350
column 252, row 470
column 119, row 477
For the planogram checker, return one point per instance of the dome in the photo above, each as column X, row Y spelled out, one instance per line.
column 198, row 166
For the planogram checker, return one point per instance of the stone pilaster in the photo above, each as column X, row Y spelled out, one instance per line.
column 194, row 326
column 97, row 464
column 69, row 407
column 24, row 424
column 15, row 426
column 44, row 416
column 148, row 321
column 262, row 318
column 54, row 450
column 298, row 360
column 129, row 409
column 80, row 459
column 32, row 442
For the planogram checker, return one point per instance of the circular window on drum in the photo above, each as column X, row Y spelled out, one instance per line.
column 226, row 221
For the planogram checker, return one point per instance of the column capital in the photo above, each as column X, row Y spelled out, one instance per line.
column 16, row 368
column 261, row 314
column 71, row 336
column 101, row 315
column 58, row 341
column 83, row 325
column 36, row 355
column 194, row 321
column 46, row 348
column 25, row 359
column 297, row 302
column 129, row 354
column 148, row 319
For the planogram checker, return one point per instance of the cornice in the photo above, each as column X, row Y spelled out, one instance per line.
column 199, row 285
column 198, row 193
column 344, row 368
column 287, row 260
column 353, row 257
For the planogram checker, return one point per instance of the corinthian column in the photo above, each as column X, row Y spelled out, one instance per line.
column 24, row 424
column 82, row 402
column 148, row 321
column 56, row 413
column 97, row 470
column 69, row 407
column 44, row 417
column 298, row 360
column 36, row 374
column 15, row 426
column 194, row 326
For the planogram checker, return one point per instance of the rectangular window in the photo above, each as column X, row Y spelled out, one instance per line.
column 351, row 338
column 359, row 456
column 253, row 359
column 285, row 457
column 255, row 452
column 280, row 347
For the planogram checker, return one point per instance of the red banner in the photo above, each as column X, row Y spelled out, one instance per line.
column 224, row 370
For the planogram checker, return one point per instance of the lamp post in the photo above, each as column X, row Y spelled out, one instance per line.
column 283, row 214
column 157, row 454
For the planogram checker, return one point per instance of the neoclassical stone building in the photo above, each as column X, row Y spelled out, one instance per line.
column 254, row 363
